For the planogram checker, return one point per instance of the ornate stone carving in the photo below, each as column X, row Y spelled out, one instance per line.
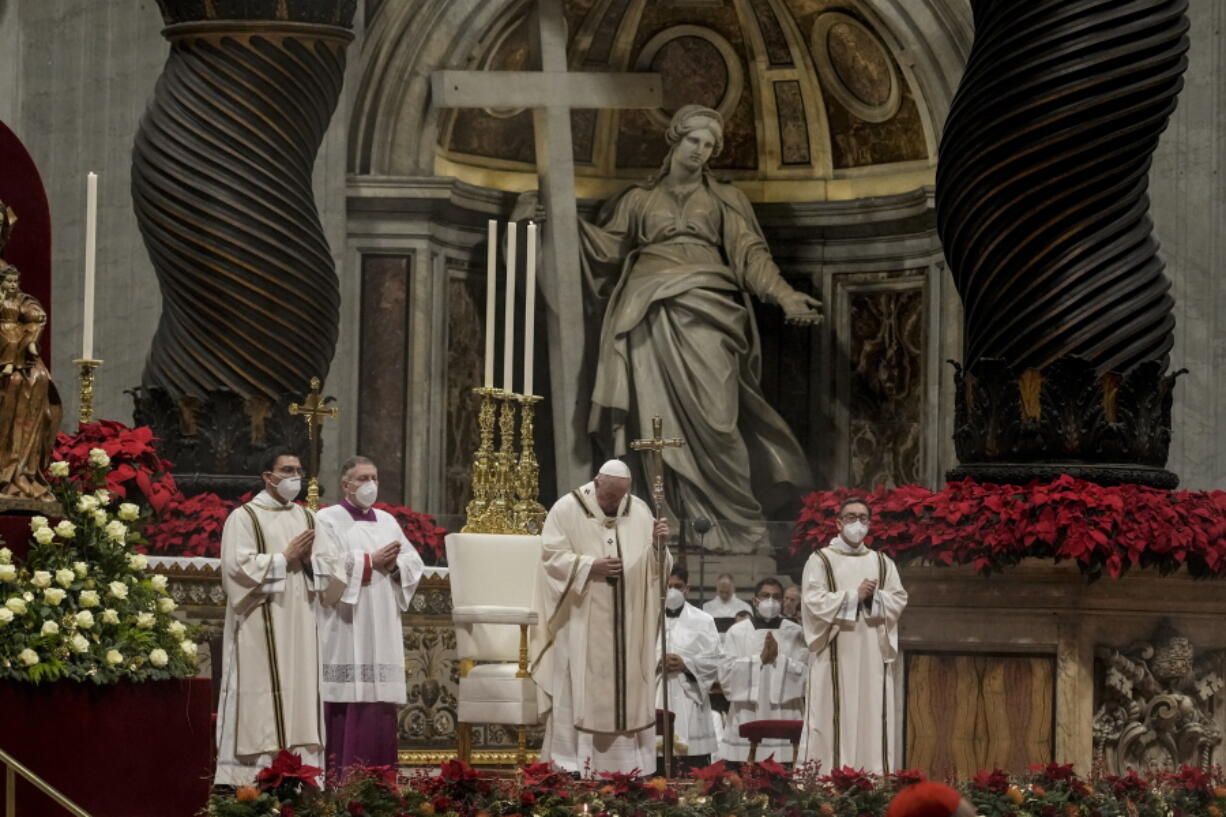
column 1156, row 705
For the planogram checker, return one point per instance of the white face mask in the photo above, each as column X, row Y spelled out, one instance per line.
column 769, row 609
column 288, row 488
column 674, row 599
column 366, row 493
column 854, row 533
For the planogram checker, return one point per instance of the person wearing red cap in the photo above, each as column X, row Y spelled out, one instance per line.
column 930, row 799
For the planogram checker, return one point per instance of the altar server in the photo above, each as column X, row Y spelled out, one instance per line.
column 594, row 653
column 360, row 633
column 763, row 674
column 269, row 697
column 725, row 607
column 691, row 665
column 851, row 600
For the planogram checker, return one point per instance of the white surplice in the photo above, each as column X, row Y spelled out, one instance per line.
column 361, row 639
column 757, row 691
column 693, row 637
column 718, row 608
column 594, row 655
column 269, row 697
column 850, row 714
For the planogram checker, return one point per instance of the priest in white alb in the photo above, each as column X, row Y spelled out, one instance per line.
column 269, row 697
column 594, row 653
column 692, row 662
column 763, row 675
column 851, row 601
column 360, row 635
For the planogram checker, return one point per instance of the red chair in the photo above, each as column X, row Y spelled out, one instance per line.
column 757, row 731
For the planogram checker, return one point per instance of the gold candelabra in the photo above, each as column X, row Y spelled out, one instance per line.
column 504, row 485
column 87, row 367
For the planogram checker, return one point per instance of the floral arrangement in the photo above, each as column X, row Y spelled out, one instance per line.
column 81, row 607
column 1105, row 530
column 183, row 525
column 763, row 789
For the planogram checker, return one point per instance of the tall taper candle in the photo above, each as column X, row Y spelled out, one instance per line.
column 91, row 248
column 491, row 288
column 529, row 305
column 508, row 351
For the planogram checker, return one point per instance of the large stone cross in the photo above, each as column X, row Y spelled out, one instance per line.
column 551, row 93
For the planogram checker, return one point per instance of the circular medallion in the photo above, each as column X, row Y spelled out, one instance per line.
column 699, row 67
column 855, row 67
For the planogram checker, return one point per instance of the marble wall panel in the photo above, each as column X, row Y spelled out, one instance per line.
column 382, row 363
column 465, row 347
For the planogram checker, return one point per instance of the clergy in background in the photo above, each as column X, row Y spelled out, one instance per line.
column 269, row 697
column 763, row 674
column 791, row 603
column 725, row 606
column 691, row 665
column 359, row 633
column 594, row 655
column 851, row 600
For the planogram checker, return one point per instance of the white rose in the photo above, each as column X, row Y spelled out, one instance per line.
column 158, row 657
column 88, row 503
column 38, row 522
column 8, row 573
column 6, row 556
column 79, row 643
column 166, row 605
column 176, row 629
column 6, row 615
column 110, row 616
column 129, row 512
column 89, row 598
column 85, row 619
column 66, row 530
column 137, row 561
column 104, row 496
column 59, row 468
column 44, row 536
column 50, row 628
column 118, row 590
column 117, row 530
column 99, row 458
column 28, row 657
column 28, row 596
column 99, row 517
column 189, row 648
column 114, row 657
column 145, row 620
column 41, row 578
column 17, row 605
column 80, row 568
column 159, row 582
column 54, row 596
column 64, row 577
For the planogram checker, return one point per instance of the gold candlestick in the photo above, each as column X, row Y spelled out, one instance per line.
column 529, row 514
column 502, row 493
column 477, row 510
column 85, row 413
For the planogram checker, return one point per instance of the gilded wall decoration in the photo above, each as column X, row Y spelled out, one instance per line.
column 1157, row 704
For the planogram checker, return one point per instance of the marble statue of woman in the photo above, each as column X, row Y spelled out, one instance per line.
column 684, row 254
column 30, row 409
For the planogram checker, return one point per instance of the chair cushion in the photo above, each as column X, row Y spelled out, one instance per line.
column 491, row 693
column 779, row 730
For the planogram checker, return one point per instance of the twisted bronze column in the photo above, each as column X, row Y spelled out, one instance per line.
column 221, row 184
column 1042, row 206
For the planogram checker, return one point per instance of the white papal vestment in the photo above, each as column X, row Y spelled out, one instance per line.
column 850, row 712
column 594, row 656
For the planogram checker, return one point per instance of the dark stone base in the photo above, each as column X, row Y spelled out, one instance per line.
column 1102, row 474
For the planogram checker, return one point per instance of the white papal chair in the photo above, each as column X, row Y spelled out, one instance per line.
column 493, row 589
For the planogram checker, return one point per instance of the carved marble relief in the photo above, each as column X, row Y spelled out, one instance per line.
column 1156, row 704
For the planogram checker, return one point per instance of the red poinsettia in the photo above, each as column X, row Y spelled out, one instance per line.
column 191, row 526
column 136, row 470
column 849, row 779
column 544, row 778
column 717, row 778
column 288, row 769
column 419, row 528
column 995, row 781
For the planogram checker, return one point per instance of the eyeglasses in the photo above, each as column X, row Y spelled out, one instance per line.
column 854, row 517
column 288, row 471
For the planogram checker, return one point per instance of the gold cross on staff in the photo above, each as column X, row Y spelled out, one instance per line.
column 313, row 412
column 655, row 446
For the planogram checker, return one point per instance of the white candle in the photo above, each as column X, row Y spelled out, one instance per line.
column 491, row 287
column 91, row 247
column 529, row 305
column 508, row 350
